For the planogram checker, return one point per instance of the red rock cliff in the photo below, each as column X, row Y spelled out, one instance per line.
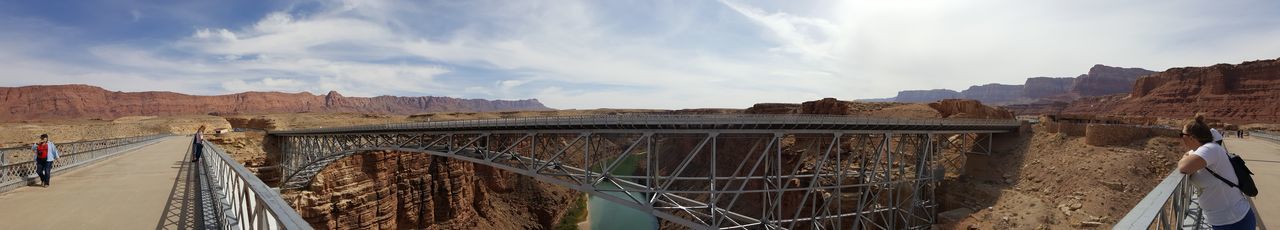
column 391, row 190
column 1106, row 80
column 1246, row 92
column 84, row 101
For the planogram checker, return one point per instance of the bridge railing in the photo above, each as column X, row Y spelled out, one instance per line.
column 1265, row 136
column 1171, row 205
column 242, row 200
column 17, row 164
column 737, row 121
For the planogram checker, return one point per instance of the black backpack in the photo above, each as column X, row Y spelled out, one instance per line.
column 1242, row 172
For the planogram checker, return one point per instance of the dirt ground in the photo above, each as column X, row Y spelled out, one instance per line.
column 1055, row 182
column 18, row 134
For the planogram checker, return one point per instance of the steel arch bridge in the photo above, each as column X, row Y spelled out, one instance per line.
column 699, row 171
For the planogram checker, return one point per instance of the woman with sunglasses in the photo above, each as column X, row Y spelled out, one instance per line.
column 1224, row 207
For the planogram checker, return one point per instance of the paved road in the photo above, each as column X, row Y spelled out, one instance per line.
column 1263, row 157
column 142, row 189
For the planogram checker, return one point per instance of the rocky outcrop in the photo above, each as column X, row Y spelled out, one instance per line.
column 390, row 190
column 959, row 108
column 1107, row 80
column 926, row 95
column 994, row 93
column 1101, row 80
column 773, row 108
column 89, row 102
column 1243, row 93
column 1046, row 87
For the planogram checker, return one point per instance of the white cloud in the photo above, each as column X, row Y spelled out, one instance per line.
column 583, row 54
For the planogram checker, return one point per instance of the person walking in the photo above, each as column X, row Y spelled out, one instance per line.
column 197, row 144
column 1223, row 206
column 46, row 153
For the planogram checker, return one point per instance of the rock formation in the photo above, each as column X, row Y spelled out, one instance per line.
column 1105, row 80
column 1046, row 87
column 1243, row 93
column 1100, row 80
column 390, row 190
column 958, row 108
column 994, row 93
column 926, row 95
column 88, row 102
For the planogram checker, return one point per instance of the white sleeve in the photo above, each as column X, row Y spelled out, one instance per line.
column 1205, row 154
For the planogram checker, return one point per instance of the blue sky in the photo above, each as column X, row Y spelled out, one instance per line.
column 613, row 54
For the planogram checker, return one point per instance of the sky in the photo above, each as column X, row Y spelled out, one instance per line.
column 572, row 54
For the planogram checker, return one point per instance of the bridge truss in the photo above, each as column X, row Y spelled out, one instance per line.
column 706, row 172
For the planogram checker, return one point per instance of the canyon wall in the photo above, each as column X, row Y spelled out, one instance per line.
column 392, row 190
column 90, row 102
column 1243, row 93
column 1100, row 80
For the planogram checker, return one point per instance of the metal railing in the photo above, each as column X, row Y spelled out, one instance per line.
column 1266, row 136
column 17, row 164
column 242, row 200
column 718, row 121
column 1171, row 205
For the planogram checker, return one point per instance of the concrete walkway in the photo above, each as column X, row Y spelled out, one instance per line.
column 1263, row 157
column 143, row 189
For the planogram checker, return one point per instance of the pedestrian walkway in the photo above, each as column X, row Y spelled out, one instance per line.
column 149, row 188
column 1263, row 157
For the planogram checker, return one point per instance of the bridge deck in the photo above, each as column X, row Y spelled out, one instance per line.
column 1263, row 157
column 151, row 187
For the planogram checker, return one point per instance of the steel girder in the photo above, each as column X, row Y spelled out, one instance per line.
column 728, row 179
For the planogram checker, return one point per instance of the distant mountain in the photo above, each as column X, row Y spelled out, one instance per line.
column 87, row 102
column 1100, row 80
column 1243, row 93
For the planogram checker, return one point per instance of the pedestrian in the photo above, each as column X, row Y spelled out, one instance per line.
column 197, row 144
column 46, row 153
column 1223, row 206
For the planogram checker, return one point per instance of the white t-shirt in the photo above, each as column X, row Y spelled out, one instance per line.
column 1221, row 203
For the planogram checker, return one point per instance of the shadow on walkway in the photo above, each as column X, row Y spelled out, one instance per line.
column 187, row 205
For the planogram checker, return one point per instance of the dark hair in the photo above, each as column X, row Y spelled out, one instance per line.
column 44, row 136
column 1198, row 130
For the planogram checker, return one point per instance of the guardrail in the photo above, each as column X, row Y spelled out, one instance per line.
column 718, row 121
column 17, row 164
column 1265, row 136
column 1171, row 205
column 242, row 200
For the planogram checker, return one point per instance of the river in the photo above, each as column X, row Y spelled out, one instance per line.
column 605, row 214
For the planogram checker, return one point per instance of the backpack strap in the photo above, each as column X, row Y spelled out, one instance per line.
column 1224, row 180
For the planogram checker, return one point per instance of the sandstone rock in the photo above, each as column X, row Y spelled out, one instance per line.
column 773, row 108
column 1045, row 87
column 959, row 108
column 1242, row 93
column 994, row 93
column 87, row 102
column 1090, row 224
column 826, row 106
column 390, row 190
column 926, row 95
column 1107, row 80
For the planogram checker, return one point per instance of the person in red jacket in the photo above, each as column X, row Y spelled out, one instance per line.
column 46, row 153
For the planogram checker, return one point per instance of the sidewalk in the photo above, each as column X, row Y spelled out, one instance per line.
column 143, row 189
column 1263, row 157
